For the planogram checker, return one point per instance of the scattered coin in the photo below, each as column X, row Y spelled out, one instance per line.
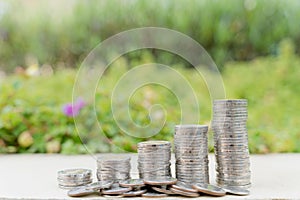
column 184, row 193
column 209, row 189
column 81, row 191
column 236, row 191
column 112, row 196
column 132, row 183
column 184, row 187
column 162, row 189
column 116, row 190
column 154, row 195
column 134, row 193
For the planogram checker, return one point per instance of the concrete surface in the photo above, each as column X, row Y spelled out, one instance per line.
column 275, row 176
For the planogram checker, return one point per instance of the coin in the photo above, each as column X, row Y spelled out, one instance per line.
column 132, row 183
column 154, row 195
column 99, row 185
column 184, row 193
column 75, row 173
column 162, row 190
column 161, row 181
column 134, row 193
column 209, row 189
column 81, row 191
column 73, row 184
column 116, row 190
column 184, row 187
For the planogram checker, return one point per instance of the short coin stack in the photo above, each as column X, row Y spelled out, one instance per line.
column 71, row 178
column 113, row 169
column 231, row 143
column 191, row 153
column 154, row 159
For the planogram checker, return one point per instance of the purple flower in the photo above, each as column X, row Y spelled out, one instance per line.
column 71, row 110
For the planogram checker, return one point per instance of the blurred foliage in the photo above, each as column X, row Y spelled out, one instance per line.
column 31, row 118
column 228, row 30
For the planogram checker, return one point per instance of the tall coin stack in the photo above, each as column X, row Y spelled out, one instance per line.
column 154, row 159
column 113, row 169
column 231, row 143
column 191, row 153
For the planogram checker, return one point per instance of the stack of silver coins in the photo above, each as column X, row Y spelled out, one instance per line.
column 71, row 178
column 154, row 159
column 113, row 169
column 191, row 153
column 231, row 143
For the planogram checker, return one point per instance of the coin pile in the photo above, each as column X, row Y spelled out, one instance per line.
column 231, row 143
column 191, row 153
column 70, row 178
column 154, row 159
column 113, row 169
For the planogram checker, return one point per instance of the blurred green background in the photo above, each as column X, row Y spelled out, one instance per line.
column 255, row 44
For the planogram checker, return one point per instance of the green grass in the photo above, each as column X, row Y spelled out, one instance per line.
column 31, row 119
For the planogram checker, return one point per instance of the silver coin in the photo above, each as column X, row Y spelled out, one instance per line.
column 154, row 195
column 71, row 185
column 236, row 191
column 230, row 101
column 162, row 189
column 184, row 193
column 66, row 187
column 245, row 187
column 132, row 183
column 134, row 193
column 77, row 172
column 232, row 182
column 184, row 187
column 161, row 181
column 154, row 143
column 80, row 192
column 74, row 183
column 116, row 190
column 230, row 116
column 193, row 126
column 209, row 189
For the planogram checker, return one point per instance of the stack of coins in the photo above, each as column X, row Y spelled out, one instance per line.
column 70, row 178
column 113, row 169
column 191, row 153
column 231, row 143
column 154, row 159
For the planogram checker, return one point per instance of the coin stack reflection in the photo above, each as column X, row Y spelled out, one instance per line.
column 231, row 143
column 154, row 159
column 191, row 153
column 113, row 169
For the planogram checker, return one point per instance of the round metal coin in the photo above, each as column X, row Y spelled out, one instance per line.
column 161, row 181
column 184, row 193
column 209, row 189
column 154, row 195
